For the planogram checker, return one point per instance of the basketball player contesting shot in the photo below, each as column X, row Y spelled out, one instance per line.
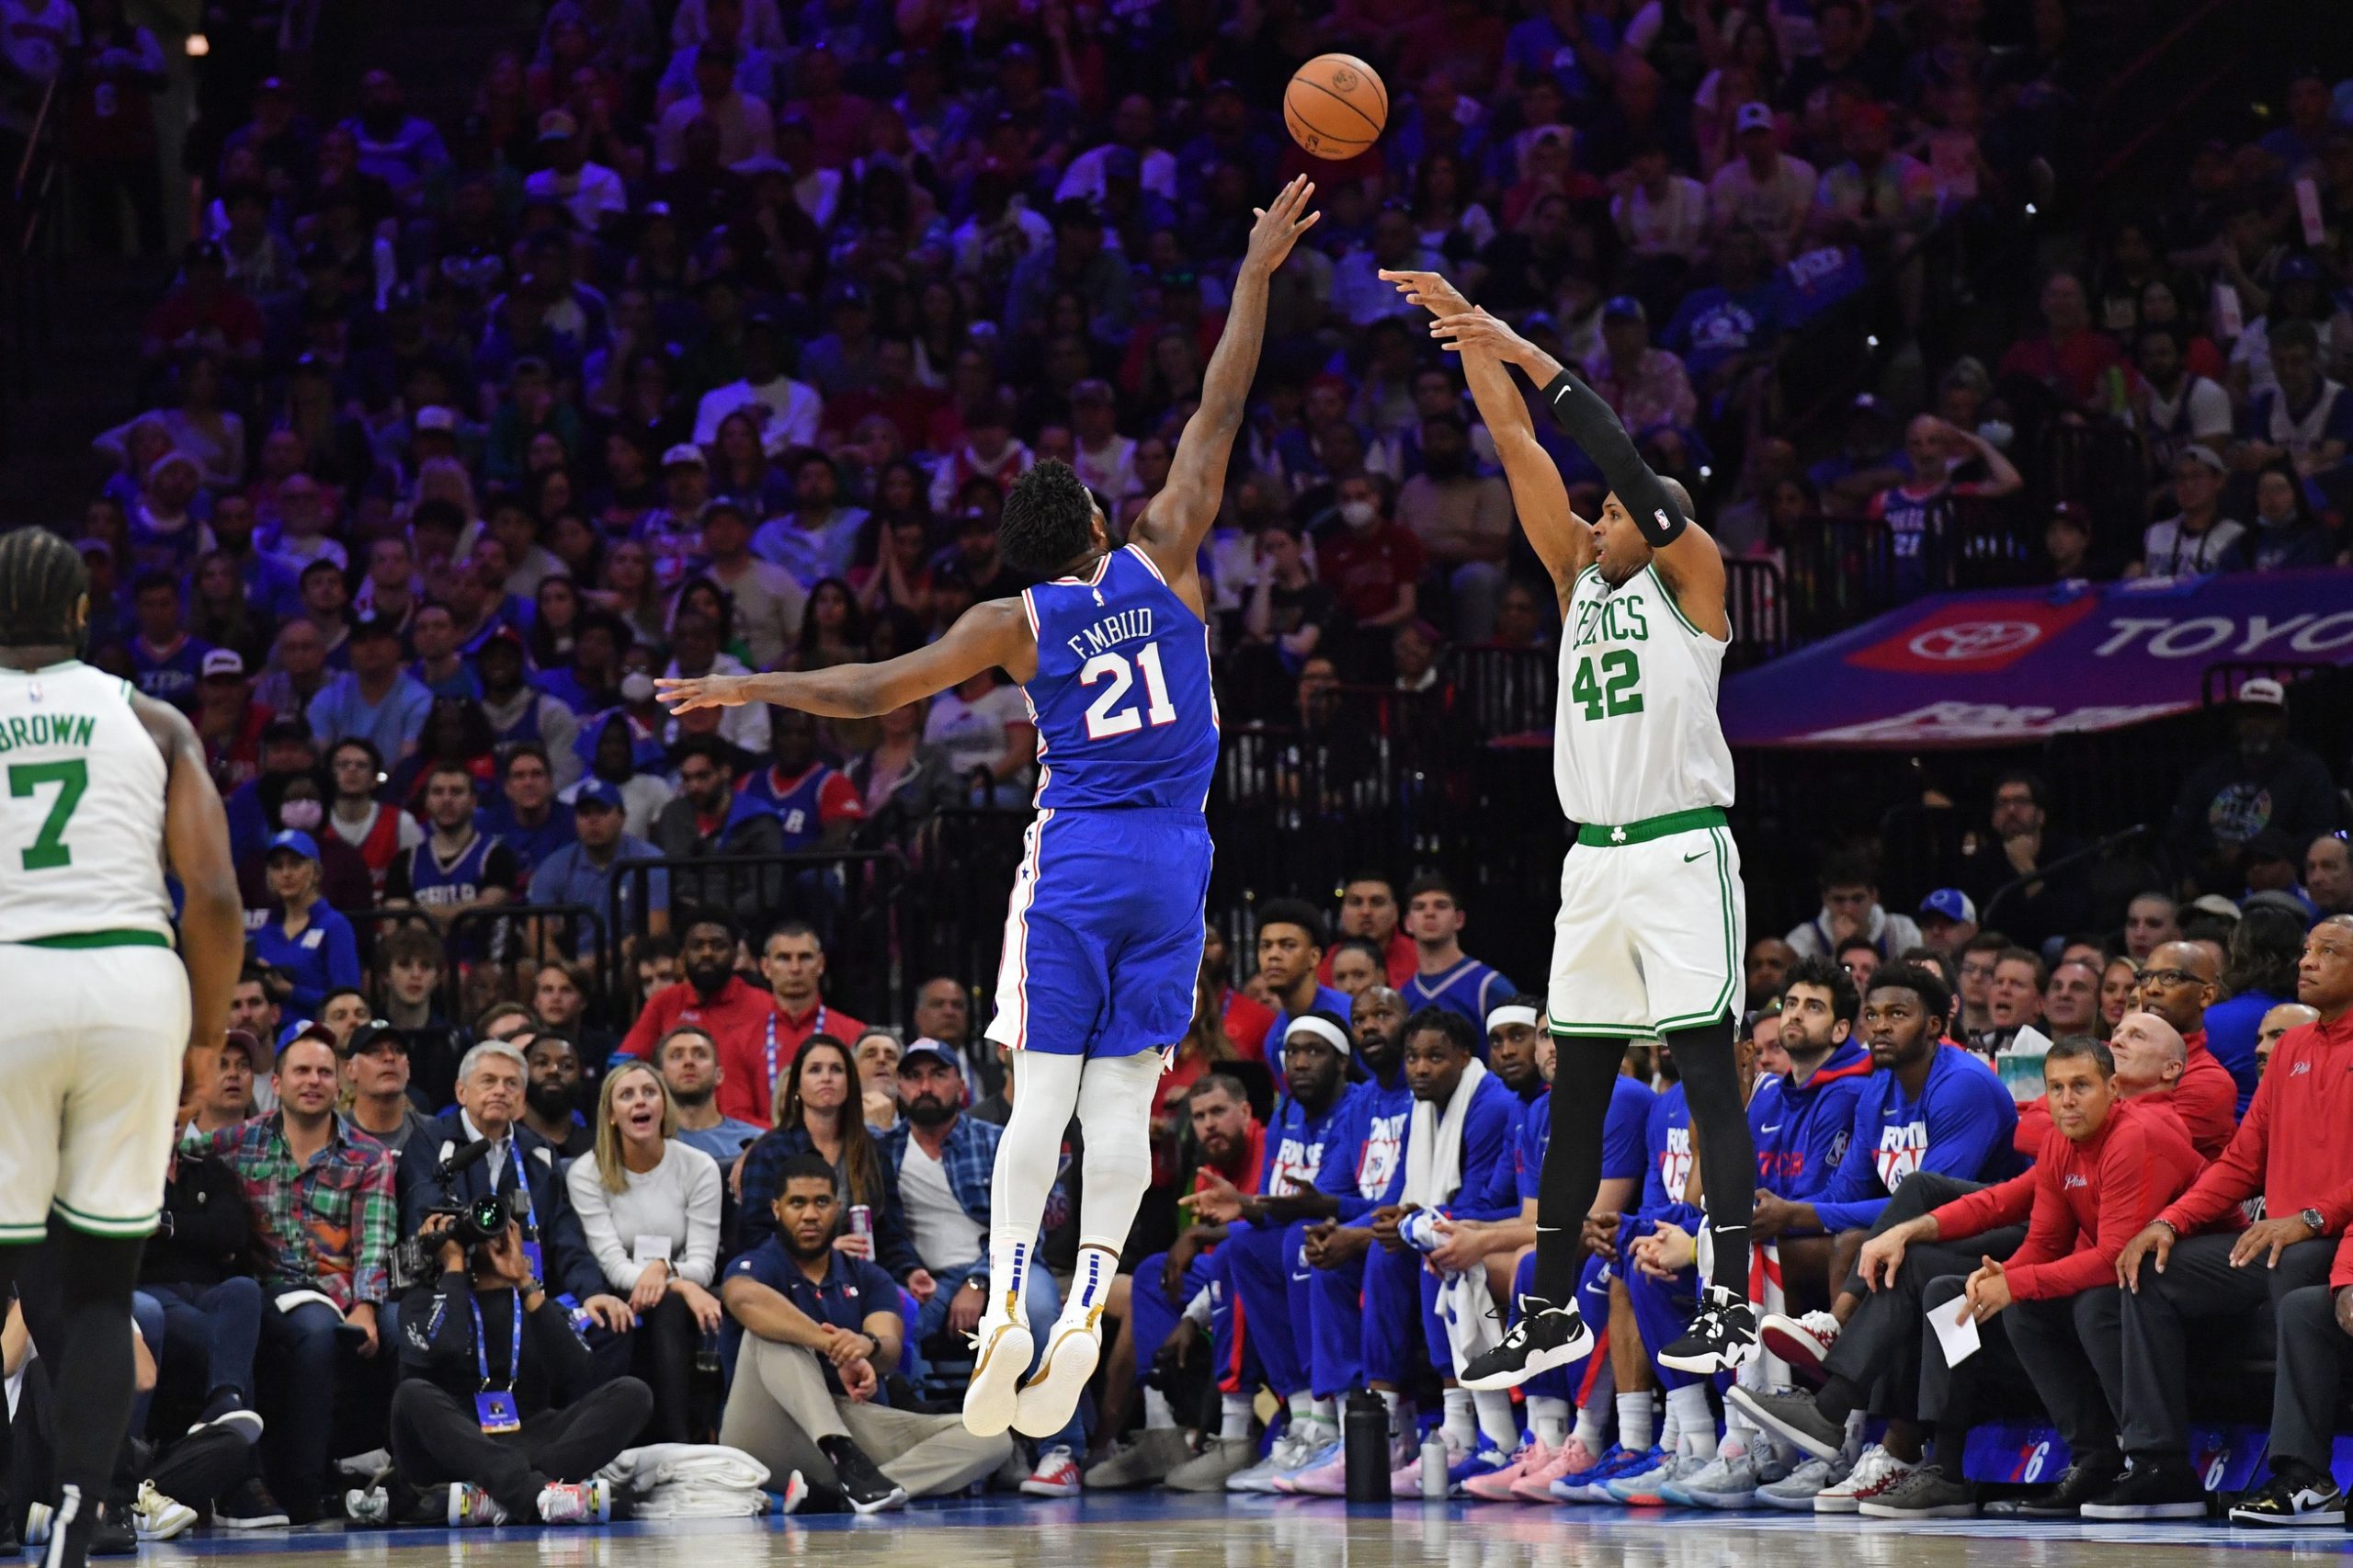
column 1648, row 941
column 1103, row 935
column 105, row 788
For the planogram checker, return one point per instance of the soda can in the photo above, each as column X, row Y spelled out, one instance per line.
column 862, row 1221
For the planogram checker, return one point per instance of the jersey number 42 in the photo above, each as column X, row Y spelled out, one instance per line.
column 1623, row 674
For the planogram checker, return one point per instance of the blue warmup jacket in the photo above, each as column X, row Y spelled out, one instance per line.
column 1962, row 1125
column 1802, row 1130
column 1366, row 1146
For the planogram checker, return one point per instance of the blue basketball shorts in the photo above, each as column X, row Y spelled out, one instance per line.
column 1103, row 935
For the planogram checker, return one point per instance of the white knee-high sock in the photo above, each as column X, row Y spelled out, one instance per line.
column 1114, row 1108
column 1090, row 1282
column 1634, row 1420
column 1234, row 1417
column 1461, row 1425
column 1695, row 1423
column 1158, row 1415
column 1548, row 1417
column 1401, row 1415
column 1045, row 1091
column 1498, row 1427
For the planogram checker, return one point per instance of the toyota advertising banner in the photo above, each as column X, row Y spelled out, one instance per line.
column 2011, row 665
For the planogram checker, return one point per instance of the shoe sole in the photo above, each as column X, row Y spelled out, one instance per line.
column 897, row 1498
column 1542, row 1494
column 1255, row 1486
column 247, row 1423
column 1046, row 1403
column 995, row 1396
column 266, row 1522
column 1788, row 1504
column 1713, row 1361
column 1828, row 1505
column 2321, row 1518
column 2129, row 1513
column 1538, row 1362
column 1944, row 1511
column 1720, row 1499
column 1794, row 1343
column 1766, row 1416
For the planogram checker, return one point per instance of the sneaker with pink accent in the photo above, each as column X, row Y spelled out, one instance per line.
column 1496, row 1486
column 1330, row 1478
column 1535, row 1484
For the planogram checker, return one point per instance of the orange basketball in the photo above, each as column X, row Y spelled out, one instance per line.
column 1335, row 105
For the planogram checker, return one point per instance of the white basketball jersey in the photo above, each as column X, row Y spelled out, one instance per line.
column 82, row 787
column 1636, row 734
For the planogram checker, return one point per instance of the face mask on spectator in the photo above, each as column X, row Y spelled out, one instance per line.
column 637, row 686
column 303, row 816
column 1358, row 514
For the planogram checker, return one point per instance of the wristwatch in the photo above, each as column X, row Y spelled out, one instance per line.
column 2313, row 1219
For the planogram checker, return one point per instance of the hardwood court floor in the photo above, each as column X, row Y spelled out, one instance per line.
column 1163, row 1531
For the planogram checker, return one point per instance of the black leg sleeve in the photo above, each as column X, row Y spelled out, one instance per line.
column 666, row 1338
column 78, row 1299
column 1583, row 1074
column 1727, row 1153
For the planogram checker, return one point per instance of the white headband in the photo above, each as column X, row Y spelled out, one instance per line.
column 1330, row 1034
column 1505, row 1017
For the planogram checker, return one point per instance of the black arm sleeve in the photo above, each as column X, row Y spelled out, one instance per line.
column 1593, row 425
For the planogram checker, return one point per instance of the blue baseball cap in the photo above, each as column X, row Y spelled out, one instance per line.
column 1950, row 903
column 597, row 793
column 301, row 843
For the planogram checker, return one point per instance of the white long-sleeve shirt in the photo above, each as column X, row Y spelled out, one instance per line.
column 677, row 1200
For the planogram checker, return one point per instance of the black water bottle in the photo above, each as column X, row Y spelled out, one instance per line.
column 1364, row 1436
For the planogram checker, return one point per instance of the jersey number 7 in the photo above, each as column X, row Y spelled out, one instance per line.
column 49, row 850
column 1102, row 723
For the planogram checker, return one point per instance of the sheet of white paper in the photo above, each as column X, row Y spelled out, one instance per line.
column 1958, row 1340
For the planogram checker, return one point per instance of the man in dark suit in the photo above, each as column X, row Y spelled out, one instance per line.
column 490, row 1102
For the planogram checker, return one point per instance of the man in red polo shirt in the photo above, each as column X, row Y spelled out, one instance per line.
column 2178, row 983
column 794, row 961
column 720, row 1002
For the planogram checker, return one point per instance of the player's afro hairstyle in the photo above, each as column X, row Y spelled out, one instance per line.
column 1049, row 520
column 43, row 580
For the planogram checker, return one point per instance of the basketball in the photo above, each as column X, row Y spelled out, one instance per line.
column 1335, row 105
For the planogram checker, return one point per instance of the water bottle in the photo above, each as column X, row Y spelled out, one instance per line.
column 1364, row 1439
column 1437, row 1458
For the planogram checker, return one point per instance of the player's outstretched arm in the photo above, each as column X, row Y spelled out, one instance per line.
column 1562, row 540
column 1179, row 519
column 994, row 635
column 196, row 844
column 1687, row 556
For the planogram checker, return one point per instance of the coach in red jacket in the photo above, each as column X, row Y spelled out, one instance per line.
column 2105, row 1167
column 2312, row 1067
column 2295, row 1148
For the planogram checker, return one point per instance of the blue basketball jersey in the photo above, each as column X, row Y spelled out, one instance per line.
column 433, row 884
column 1125, row 710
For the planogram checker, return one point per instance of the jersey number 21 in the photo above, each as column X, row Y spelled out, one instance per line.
column 1105, row 717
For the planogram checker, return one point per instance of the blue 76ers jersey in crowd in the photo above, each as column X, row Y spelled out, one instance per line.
column 1126, row 713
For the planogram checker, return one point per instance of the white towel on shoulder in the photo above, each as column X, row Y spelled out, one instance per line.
column 1433, row 1177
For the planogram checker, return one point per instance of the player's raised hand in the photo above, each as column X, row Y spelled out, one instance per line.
column 685, row 695
column 1279, row 224
column 1428, row 290
column 1476, row 329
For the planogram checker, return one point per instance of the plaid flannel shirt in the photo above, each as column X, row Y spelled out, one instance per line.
column 329, row 1225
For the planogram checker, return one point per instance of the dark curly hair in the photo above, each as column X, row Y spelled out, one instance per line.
column 1048, row 519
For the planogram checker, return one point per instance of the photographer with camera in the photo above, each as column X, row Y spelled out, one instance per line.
column 482, row 1150
column 487, row 1352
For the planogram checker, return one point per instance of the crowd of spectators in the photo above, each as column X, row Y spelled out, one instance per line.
column 707, row 338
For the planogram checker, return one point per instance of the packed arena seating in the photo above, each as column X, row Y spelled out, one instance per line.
column 662, row 339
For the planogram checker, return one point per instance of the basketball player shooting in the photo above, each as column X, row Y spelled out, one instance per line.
column 1103, row 935
column 1648, row 940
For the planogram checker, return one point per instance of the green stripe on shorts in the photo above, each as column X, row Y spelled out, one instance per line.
column 103, row 1225
column 79, row 940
